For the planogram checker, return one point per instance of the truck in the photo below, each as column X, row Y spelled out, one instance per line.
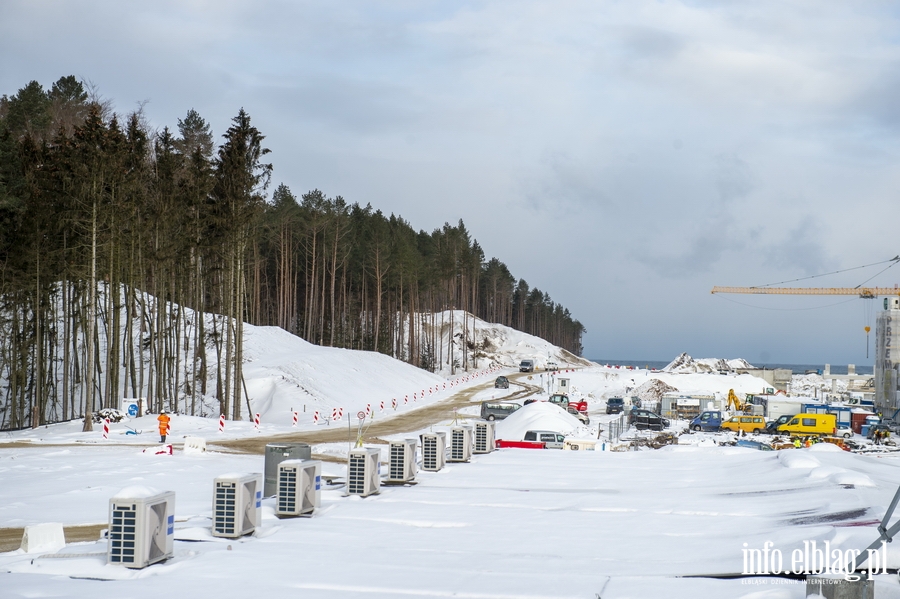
column 578, row 409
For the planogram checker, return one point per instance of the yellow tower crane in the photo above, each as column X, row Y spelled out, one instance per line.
column 863, row 292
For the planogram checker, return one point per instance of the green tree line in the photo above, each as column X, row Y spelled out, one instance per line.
column 130, row 259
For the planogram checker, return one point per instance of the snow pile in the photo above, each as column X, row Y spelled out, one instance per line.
column 685, row 364
column 537, row 416
column 815, row 384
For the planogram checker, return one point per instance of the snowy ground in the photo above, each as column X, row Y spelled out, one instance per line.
column 515, row 523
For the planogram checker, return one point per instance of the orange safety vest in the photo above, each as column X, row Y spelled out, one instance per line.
column 163, row 424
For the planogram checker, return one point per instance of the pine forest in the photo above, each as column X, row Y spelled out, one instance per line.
column 124, row 249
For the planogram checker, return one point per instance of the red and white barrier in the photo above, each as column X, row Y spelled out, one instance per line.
column 106, row 428
column 221, row 423
column 316, row 417
column 381, row 407
column 296, row 416
column 394, row 403
column 405, row 399
column 256, row 422
column 334, row 414
column 368, row 409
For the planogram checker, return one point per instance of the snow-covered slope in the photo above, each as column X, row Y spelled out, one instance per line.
column 494, row 344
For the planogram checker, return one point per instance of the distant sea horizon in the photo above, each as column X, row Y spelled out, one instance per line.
column 795, row 368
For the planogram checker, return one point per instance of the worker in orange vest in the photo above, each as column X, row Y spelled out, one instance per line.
column 163, row 425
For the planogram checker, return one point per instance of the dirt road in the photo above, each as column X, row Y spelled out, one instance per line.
column 411, row 421
column 11, row 538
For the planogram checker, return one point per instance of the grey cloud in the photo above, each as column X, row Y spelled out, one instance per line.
column 651, row 43
column 803, row 250
column 734, row 179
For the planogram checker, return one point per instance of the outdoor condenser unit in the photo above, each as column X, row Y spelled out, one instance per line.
column 403, row 461
column 299, row 487
column 484, row 437
column 237, row 499
column 433, row 448
column 364, row 472
column 460, row 444
column 141, row 527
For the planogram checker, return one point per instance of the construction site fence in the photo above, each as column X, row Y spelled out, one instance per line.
column 614, row 429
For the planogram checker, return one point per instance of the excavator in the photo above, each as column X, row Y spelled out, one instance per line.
column 736, row 404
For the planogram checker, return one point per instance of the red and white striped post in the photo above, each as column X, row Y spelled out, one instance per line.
column 394, row 403
column 334, row 414
column 368, row 409
column 381, row 408
column 221, row 423
column 296, row 416
column 106, row 428
column 316, row 417
column 256, row 422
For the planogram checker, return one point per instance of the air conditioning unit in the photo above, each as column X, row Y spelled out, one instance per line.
column 299, row 487
column 364, row 472
column 460, row 444
column 433, row 451
column 484, row 437
column 237, row 499
column 141, row 527
column 403, row 461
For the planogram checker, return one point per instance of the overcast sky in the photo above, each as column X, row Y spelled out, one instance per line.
column 622, row 156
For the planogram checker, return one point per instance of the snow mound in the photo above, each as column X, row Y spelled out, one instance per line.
column 136, row 492
column 539, row 415
column 797, row 458
column 685, row 364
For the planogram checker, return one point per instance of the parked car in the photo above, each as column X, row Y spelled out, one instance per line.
column 497, row 410
column 754, row 445
column 645, row 419
column 526, row 366
column 747, row 424
column 615, row 405
column 772, row 425
column 707, row 421
column 810, row 424
column 552, row 366
column 550, row 439
column 501, row 383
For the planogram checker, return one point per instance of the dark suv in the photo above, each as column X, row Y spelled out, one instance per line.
column 615, row 405
column 645, row 419
column 501, row 383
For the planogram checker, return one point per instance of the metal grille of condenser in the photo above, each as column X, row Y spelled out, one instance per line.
column 225, row 508
column 122, row 534
column 356, row 474
column 484, row 437
column 287, row 490
column 402, row 466
column 433, row 451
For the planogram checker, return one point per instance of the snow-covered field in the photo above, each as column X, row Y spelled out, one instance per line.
column 514, row 523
